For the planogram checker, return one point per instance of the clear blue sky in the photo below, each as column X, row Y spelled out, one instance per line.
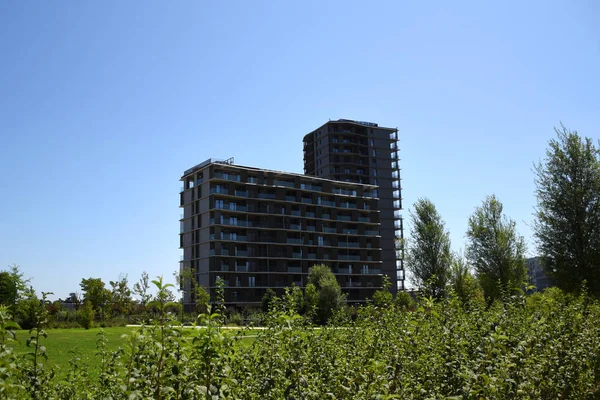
column 103, row 105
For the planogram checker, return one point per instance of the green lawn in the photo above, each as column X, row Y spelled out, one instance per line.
column 61, row 343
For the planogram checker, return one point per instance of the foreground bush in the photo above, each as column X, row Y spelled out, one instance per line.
column 546, row 346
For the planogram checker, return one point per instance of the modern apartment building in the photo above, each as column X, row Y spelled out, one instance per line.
column 365, row 153
column 259, row 229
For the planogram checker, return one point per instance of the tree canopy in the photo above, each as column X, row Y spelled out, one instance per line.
column 429, row 256
column 567, row 226
column 495, row 250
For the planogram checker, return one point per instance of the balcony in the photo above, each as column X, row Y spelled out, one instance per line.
column 277, row 182
column 227, row 177
column 325, row 216
column 307, row 186
column 349, row 244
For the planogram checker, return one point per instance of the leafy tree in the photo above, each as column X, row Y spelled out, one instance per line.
column 198, row 293
column 383, row 297
column 96, row 294
column 267, row 299
column 567, row 225
column 330, row 297
column 13, row 286
column 403, row 301
column 121, row 295
column 495, row 249
column 463, row 282
column 142, row 288
column 429, row 257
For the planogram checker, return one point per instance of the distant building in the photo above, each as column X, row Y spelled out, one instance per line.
column 536, row 274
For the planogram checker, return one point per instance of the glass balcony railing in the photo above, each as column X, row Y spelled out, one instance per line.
column 294, row 269
column 372, row 233
column 295, row 227
column 290, row 198
column 296, row 255
column 325, row 216
column 310, row 214
column 329, row 230
column 312, row 256
column 351, row 231
column 226, row 176
column 241, row 193
column 294, row 241
column 241, row 253
column 348, row 257
column 344, row 218
column 283, row 183
column 266, row 195
column 296, row 213
column 363, row 219
column 311, row 228
column 307, row 201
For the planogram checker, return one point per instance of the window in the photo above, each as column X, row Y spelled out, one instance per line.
column 374, row 171
column 372, row 143
column 320, row 240
column 374, row 153
column 251, row 281
column 219, row 204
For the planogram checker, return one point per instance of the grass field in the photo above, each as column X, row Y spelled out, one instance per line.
column 62, row 343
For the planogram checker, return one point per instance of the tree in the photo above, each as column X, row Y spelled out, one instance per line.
column 383, row 298
column 121, row 295
column 463, row 282
column 428, row 255
column 329, row 293
column 13, row 286
column 495, row 249
column 567, row 226
column 141, row 289
column 267, row 299
column 96, row 294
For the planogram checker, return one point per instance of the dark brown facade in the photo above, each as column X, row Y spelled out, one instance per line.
column 259, row 229
column 363, row 152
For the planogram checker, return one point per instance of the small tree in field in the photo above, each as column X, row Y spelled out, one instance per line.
column 428, row 255
column 329, row 293
column 495, row 250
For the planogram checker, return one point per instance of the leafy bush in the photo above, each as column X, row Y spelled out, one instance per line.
column 545, row 346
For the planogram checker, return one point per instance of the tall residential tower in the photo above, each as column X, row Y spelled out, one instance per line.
column 364, row 153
